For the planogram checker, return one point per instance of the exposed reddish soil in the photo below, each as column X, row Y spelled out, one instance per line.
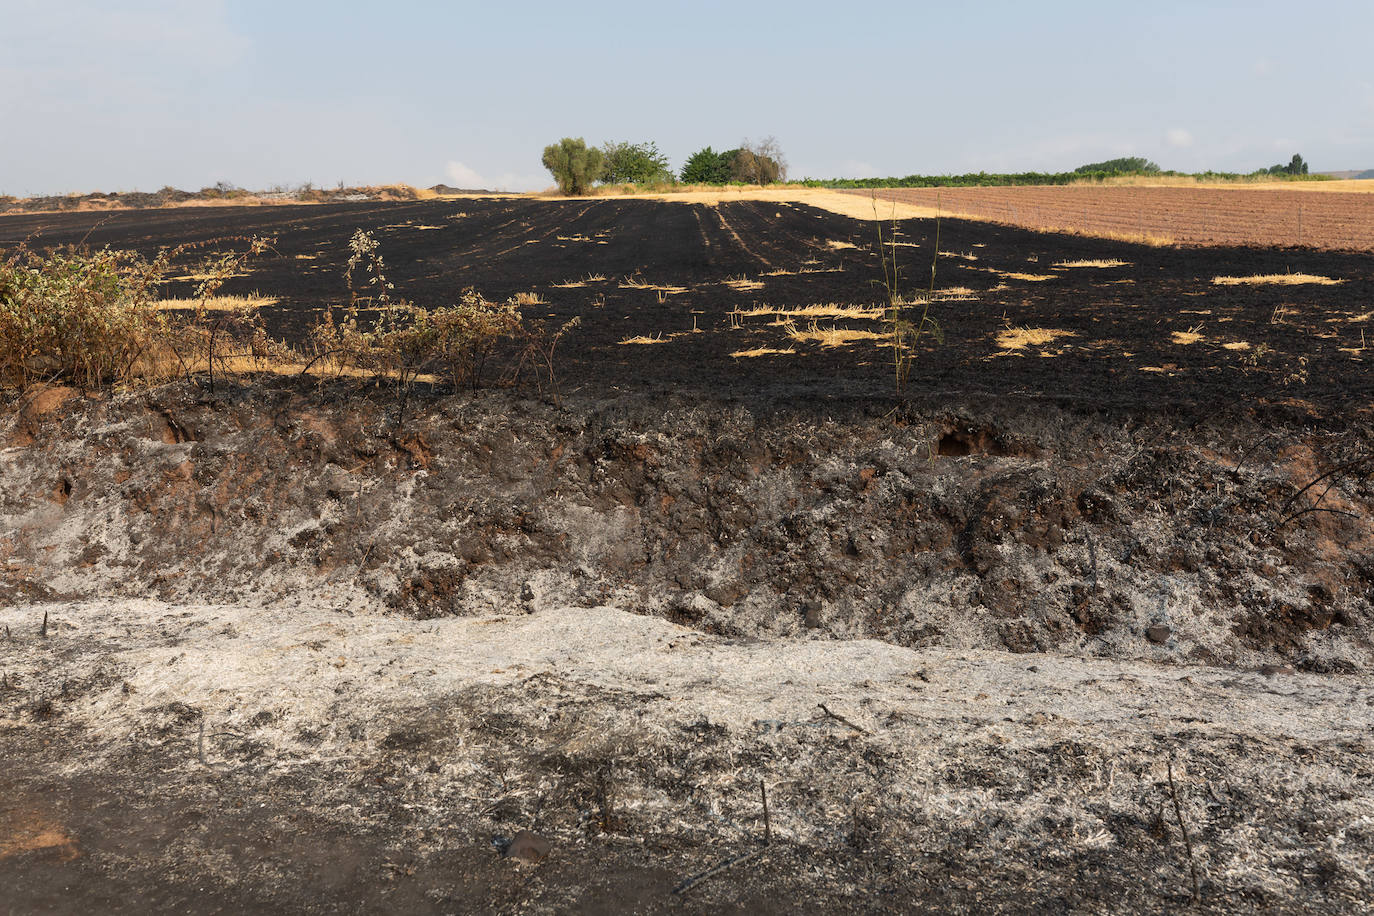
column 1335, row 220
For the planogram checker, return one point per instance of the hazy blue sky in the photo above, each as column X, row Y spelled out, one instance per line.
column 136, row 94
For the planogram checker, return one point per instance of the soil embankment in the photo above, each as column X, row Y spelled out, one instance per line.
column 957, row 646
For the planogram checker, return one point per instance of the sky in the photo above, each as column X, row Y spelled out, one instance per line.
column 139, row 94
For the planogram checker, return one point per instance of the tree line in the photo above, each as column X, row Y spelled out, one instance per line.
column 578, row 167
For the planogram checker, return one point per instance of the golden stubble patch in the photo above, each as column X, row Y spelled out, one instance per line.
column 821, row 310
column 742, row 284
column 1023, row 338
column 218, row 303
column 1276, row 280
column 831, row 336
column 1099, row 263
column 762, row 351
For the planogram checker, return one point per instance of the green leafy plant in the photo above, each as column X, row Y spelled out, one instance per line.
column 634, row 163
column 1295, row 167
column 706, row 166
column 573, row 165
column 1128, row 165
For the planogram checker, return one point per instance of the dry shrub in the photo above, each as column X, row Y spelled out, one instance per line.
column 401, row 342
column 92, row 318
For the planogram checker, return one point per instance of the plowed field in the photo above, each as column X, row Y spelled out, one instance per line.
column 1196, row 216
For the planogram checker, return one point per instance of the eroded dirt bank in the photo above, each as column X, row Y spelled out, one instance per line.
column 1239, row 538
column 301, row 652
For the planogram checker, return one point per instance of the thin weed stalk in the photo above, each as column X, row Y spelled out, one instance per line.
column 905, row 335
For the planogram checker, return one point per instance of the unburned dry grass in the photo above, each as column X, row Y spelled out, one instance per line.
column 1276, row 280
column 1098, row 262
column 1023, row 338
column 218, row 303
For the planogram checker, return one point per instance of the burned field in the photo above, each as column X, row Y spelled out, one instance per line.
column 1113, row 324
column 1110, row 550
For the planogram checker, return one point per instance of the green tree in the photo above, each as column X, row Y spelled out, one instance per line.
column 1126, row 164
column 706, row 166
column 573, row 165
column 634, row 163
column 1295, row 166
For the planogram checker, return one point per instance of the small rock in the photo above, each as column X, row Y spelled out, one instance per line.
column 1158, row 634
column 528, row 847
column 1271, row 670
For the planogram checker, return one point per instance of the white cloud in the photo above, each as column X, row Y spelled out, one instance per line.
column 1178, row 138
column 460, row 176
column 463, row 176
column 854, row 168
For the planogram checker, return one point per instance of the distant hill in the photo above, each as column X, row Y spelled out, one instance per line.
column 449, row 189
column 1353, row 173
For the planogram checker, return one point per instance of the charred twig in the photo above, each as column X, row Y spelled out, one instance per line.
column 1299, row 514
column 840, row 718
column 362, row 567
column 1187, row 840
column 767, row 826
column 1338, row 469
column 1245, row 456
column 603, row 797
column 43, row 630
column 1332, row 477
column 1092, row 561
column 693, row 881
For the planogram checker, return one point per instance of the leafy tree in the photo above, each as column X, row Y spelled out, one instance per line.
column 1295, row 166
column 573, row 165
column 634, row 163
column 758, row 163
column 1125, row 164
column 706, row 166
